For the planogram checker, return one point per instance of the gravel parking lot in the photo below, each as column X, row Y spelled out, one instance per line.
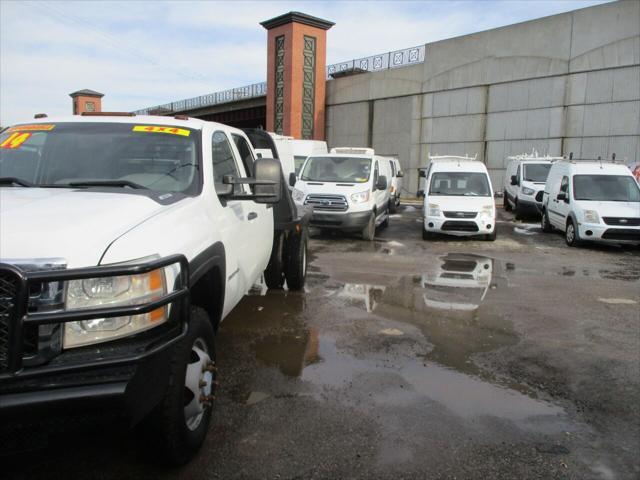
column 446, row 359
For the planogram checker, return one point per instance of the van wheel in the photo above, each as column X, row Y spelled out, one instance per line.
column 369, row 231
column 178, row 426
column 385, row 224
column 571, row 234
column 274, row 274
column 516, row 210
column 426, row 235
column 507, row 205
column 544, row 222
column 392, row 206
column 297, row 261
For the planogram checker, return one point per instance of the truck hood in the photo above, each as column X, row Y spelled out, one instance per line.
column 76, row 225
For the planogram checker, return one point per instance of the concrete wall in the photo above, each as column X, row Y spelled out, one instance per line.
column 560, row 84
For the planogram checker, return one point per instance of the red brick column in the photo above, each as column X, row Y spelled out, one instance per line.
column 296, row 75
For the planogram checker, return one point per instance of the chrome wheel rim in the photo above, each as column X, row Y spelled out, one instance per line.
column 198, row 384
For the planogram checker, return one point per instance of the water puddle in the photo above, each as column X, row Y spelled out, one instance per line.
column 410, row 340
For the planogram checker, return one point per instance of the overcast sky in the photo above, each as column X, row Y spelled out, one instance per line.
column 141, row 54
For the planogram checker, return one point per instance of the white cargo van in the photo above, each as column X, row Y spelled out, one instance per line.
column 592, row 200
column 396, row 184
column 458, row 198
column 348, row 190
column 524, row 183
column 306, row 148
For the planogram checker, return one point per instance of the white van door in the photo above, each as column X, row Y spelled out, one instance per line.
column 559, row 209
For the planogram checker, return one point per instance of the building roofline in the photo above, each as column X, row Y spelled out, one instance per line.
column 86, row 93
column 297, row 17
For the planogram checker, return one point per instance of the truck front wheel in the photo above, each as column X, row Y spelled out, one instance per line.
column 296, row 270
column 179, row 424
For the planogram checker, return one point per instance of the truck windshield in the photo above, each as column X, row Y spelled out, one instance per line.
column 460, row 184
column 536, row 172
column 83, row 154
column 337, row 169
column 606, row 188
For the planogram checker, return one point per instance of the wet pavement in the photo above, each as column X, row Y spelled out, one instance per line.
column 445, row 359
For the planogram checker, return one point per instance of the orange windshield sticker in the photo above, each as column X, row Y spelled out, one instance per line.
column 15, row 140
column 32, row 128
column 157, row 129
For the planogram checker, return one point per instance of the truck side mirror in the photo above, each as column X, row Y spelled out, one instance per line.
column 514, row 180
column 422, row 174
column 381, row 184
column 266, row 185
column 292, row 179
column 400, row 174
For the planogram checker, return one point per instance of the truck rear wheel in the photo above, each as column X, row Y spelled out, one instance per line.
column 296, row 271
column 274, row 274
column 179, row 424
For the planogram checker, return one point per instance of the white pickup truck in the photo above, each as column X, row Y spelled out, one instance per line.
column 124, row 242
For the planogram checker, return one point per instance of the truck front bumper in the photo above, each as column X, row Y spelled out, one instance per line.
column 128, row 376
column 346, row 221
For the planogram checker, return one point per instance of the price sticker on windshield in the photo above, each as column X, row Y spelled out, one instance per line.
column 157, row 129
column 15, row 140
column 38, row 127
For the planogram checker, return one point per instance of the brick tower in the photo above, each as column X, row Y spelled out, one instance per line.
column 296, row 77
column 86, row 101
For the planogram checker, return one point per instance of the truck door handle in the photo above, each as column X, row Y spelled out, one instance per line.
column 252, row 215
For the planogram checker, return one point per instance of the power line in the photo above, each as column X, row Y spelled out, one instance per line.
column 64, row 17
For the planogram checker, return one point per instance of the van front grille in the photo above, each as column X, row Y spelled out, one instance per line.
column 330, row 203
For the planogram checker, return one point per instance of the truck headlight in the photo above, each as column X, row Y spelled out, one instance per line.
column 360, row 197
column 298, row 196
column 433, row 210
column 591, row 216
column 119, row 291
column 528, row 191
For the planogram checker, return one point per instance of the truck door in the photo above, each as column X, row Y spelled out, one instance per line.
column 234, row 224
column 259, row 218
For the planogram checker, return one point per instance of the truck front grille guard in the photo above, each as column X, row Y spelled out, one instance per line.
column 15, row 318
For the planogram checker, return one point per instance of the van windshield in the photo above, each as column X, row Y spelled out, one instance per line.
column 536, row 172
column 606, row 188
column 85, row 154
column 337, row 169
column 460, row 184
column 299, row 160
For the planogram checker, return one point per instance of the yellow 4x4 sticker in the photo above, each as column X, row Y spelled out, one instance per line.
column 157, row 129
column 38, row 127
column 15, row 140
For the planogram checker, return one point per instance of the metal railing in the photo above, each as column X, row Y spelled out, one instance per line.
column 374, row 63
column 233, row 94
column 383, row 61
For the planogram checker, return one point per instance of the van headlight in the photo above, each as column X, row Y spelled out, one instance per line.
column 433, row 210
column 591, row 216
column 528, row 191
column 360, row 197
column 118, row 291
column 487, row 211
column 298, row 196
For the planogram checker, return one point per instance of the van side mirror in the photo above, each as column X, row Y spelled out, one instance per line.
column 400, row 174
column 422, row 173
column 562, row 196
column 382, row 183
column 514, row 180
column 292, row 179
column 266, row 185
column 420, row 194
